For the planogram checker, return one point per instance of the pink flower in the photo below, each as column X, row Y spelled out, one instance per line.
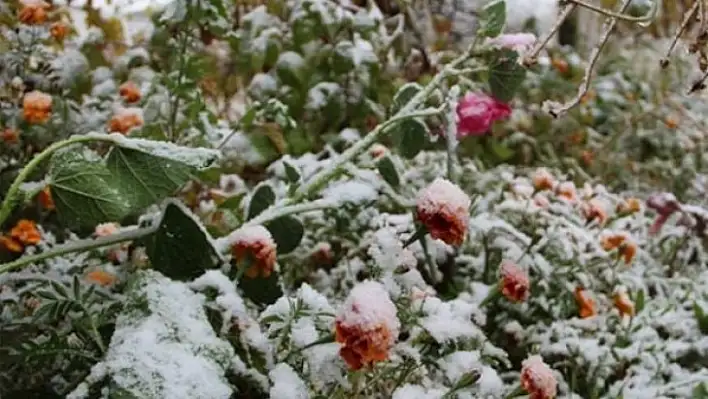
column 665, row 204
column 518, row 42
column 514, row 282
column 476, row 113
column 537, row 378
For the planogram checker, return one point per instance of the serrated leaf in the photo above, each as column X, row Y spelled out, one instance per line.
column 388, row 171
column 144, row 178
column 404, row 94
column 410, row 136
column 262, row 198
column 287, row 233
column 84, row 191
column 262, row 291
column 493, row 19
column 505, row 74
column 180, row 248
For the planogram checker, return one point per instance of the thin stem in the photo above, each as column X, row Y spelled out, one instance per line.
column 174, row 106
column 277, row 212
column 78, row 246
column 318, row 181
column 530, row 59
column 684, row 24
column 557, row 110
column 12, row 194
column 641, row 21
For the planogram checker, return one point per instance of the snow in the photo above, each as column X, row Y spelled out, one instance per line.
column 441, row 193
column 164, row 346
column 287, row 384
column 369, row 306
column 352, row 191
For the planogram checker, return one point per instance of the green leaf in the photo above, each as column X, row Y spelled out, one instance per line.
column 262, row 198
column 388, row 171
column 180, row 248
column 291, row 172
column 502, row 152
column 701, row 317
column 404, row 95
column 84, row 191
column 263, row 291
column 410, row 136
column 493, row 19
column 290, row 69
column 233, row 202
column 146, row 179
column 505, row 74
column 639, row 300
column 287, row 233
column 700, row 391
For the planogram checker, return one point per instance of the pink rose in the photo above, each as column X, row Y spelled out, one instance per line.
column 519, row 42
column 476, row 113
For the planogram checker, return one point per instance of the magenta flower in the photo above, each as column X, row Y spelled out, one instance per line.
column 665, row 205
column 476, row 113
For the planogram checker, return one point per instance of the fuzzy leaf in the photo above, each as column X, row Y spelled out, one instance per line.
column 180, row 248
column 505, row 74
column 404, row 95
column 410, row 136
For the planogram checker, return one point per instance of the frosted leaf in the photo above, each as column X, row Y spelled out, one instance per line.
column 164, row 346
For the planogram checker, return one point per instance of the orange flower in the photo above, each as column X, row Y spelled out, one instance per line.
column 59, row 30
column 367, row 326
column 671, row 122
column 542, row 180
column 101, row 277
column 45, row 198
column 443, row 208
column 106, row 229
column 537, row 378
column 585, row 303
column 130, row 92
column 25, row 231
column 587, row 157
column 33, row 12
column 627, row 249
column 567, row 191
column 514, row 282
column 629, row 206
column 37, row 107
column 595, row 210
column 623, row 303
column 560, row 65
column 10, row 136
column 125, row 120
column 11, row 244
column 254, row 244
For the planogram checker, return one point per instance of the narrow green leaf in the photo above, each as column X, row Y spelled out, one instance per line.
column 262, row 198
column 388, row 171
column 493, row 19
column 287, row 233
column 639, row 300
column 180, row 248
column 701, row 317
column 505, row 74
column 410, row 136
column 233, row 203
column 291, row 172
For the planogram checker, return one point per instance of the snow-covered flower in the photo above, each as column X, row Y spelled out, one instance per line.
column 33, row 12
column 443, row 208
column 130, row 92
column 629, row 206
column 254, row 244
column 36, row 107
column 476, row 113
column 59, row 30
column 519, row 42
column 543, row 180
column 514, row 282
column 622, row 302
column 537, row 378
column 595, row 210
column 101, row 277
column 626, row 247
column 125, row 119
column 367, row 325
column 586, row 305
column 665, row 204
column 106, row 229
column 567, row 191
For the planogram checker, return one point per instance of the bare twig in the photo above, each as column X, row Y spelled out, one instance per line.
column 530, row 58
column 557, row 109
column 643, row 21
column 664, row 62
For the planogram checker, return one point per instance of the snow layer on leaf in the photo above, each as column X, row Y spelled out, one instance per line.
column 287, row 384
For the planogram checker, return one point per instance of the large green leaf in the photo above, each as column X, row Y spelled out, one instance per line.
column 263, row 291
column 180, row 248
column 505, row 74
column 287, row 233
column 262, row 198
column 144, row 178
column 84, row 191
column 410, row 137
column 493, row 18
